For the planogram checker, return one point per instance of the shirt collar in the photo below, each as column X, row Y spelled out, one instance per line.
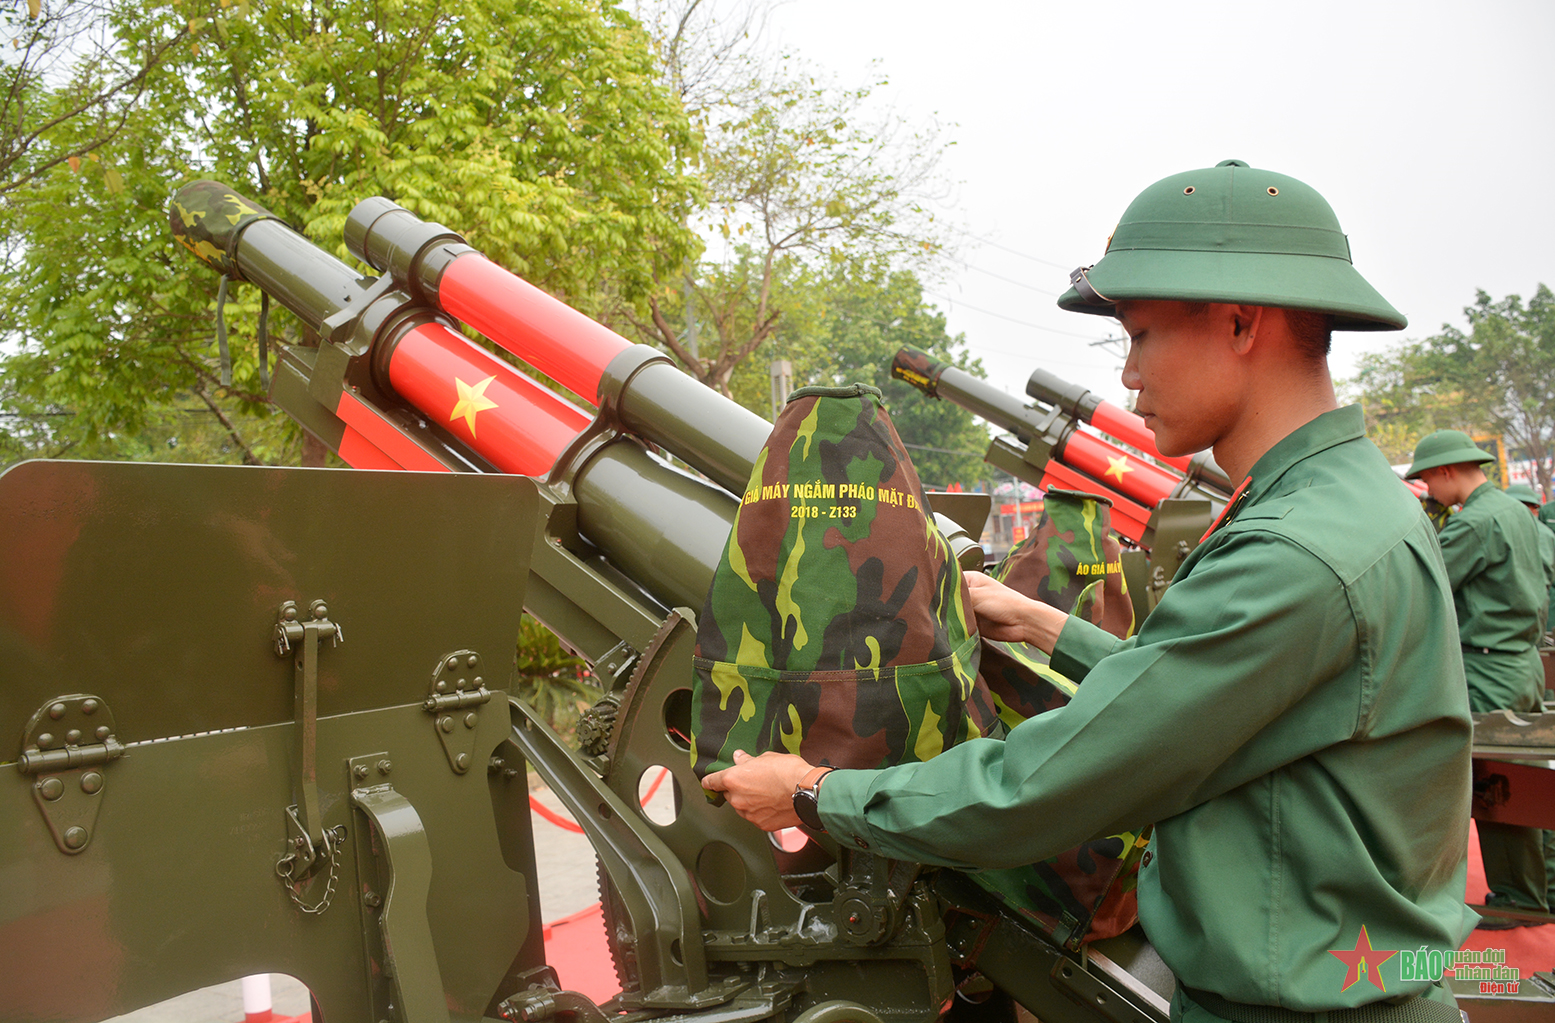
column 1326, row 431
column 1483, row 488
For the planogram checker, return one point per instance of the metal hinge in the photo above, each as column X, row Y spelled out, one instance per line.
column 457, row 690
column 66, row 743
column 308, row 847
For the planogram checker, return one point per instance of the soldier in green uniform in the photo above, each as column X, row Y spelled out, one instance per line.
column 1292, row 716
column 1499, row 587
column 1526, row 494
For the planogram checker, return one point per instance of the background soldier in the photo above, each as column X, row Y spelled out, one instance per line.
column 1524, row 493
column 1496, row 564
column 1292, row 715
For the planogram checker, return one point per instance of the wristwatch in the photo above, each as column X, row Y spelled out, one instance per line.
column 807, row 799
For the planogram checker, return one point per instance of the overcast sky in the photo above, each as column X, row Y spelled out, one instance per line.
column 1430, row 128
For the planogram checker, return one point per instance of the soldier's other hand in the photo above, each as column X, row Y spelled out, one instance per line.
column 1001, row 612
column 761, row 789
column 1006, row 615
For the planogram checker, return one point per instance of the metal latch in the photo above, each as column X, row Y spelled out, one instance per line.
column 66, row 743
column 456, row 693
column 308, row 847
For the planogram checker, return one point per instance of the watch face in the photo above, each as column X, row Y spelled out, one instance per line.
column 808, row 809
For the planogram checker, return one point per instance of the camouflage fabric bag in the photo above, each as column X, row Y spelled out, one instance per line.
column 1073, row 562
column 837, row 626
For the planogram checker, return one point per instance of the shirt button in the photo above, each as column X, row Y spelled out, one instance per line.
column 1144, row 861
column 859, row 841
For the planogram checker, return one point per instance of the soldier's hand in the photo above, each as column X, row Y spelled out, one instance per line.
column 761, row 789
column 1001, row 612
column 1008, row 616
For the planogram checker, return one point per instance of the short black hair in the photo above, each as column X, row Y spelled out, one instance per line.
column 1313, row 331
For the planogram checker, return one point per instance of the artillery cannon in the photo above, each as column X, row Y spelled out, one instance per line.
column 190, row 807
column 263, row 713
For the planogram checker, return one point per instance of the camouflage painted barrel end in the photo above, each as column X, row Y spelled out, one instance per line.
column 918, row 368
column 207, row 217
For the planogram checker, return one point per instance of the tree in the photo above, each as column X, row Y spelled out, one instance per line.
column 799, row 174
column 66, row 68
column 871, row 313
column 1499, row 377
column 539, row 130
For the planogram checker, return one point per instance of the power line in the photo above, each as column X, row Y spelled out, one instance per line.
column 1016, row 252
column 1023, row 323
column 1011, row 280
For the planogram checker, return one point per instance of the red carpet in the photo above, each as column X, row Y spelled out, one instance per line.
column 1530, row 949
column 575, row 945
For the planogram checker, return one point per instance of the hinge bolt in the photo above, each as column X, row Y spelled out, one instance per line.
column 359, row 772
column 473, row 661
column 91, row 782
column 462, row 761
column 103, row 731
column 75, row 838
column 384, row 767
column 89, row 707
column 51, row 788
column 73, row 737
column 372, row 899
column 470, row 719
column 56, row 711
column 446, row 723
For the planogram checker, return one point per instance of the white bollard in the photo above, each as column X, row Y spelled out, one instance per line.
column 256, row 999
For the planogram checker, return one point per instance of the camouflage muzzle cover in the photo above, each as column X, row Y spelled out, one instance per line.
column 207, row 218
column 838, row 624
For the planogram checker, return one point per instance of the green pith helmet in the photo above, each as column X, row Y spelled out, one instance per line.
column 1230, row 233
column 1446, row 447
column 1524, row 493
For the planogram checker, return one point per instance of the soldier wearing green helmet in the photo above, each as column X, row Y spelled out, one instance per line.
column 1292, row 716
column 1496, row 566
column 1530, row 497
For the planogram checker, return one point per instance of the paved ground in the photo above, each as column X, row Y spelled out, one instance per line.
column 568, row 883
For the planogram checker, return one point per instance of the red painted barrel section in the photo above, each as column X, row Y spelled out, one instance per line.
column 1126, row 473
column 518, row 425
column 1131, row 429
column 548, row 334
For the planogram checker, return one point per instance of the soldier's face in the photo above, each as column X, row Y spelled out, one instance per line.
column 1177, row 360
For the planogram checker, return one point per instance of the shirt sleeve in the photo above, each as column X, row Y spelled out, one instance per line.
column 1463, row 550
column 1158, row 726
column 1081, row 645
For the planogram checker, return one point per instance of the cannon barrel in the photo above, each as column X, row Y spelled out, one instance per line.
column 1068, row 457
column 648, row 393
column 1119, row 422
column 661, row 526
column 415, row 355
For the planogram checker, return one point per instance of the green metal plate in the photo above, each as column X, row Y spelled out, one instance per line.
column 156, row 586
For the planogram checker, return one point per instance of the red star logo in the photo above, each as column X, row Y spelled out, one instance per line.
column 1363, row 960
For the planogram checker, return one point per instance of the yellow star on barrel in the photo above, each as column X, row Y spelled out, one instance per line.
column 1117, row 467
column 471, row 400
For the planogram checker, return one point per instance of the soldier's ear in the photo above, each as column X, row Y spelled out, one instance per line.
column 1246, row 320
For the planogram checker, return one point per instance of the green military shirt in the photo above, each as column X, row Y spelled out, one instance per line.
column 1293, row 718
column 1547, row 517
column 1496, row 567
column 1547, row 547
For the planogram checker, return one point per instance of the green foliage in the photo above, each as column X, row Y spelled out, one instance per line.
column 539, row 130
column 1498, row 378
column 556, row 684
column 803, row 178
column 873, row 312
